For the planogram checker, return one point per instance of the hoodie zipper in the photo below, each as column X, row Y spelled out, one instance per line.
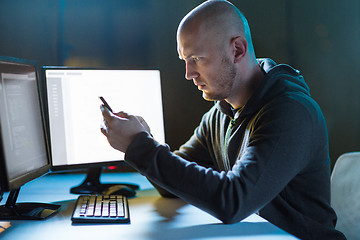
column 227, row 136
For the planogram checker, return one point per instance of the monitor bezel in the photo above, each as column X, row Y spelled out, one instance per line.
column 76, row 167
column 7, row 184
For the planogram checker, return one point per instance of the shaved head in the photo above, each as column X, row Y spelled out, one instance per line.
column 215, row 43
column 221, row 20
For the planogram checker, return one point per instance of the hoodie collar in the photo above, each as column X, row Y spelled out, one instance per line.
column 277, row 80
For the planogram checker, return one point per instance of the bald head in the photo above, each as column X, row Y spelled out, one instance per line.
column 214, row 41
column 220, row 20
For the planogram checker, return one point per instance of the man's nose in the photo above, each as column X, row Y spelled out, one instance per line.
column 191, row 72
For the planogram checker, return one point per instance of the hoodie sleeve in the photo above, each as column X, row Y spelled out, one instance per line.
column 278, row 149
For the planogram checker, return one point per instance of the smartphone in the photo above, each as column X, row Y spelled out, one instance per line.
column 106, row 104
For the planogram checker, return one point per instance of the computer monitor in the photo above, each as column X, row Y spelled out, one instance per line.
column 74, row 116
column 23, row 151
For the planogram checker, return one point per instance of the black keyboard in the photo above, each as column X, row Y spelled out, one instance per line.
column 101, row 209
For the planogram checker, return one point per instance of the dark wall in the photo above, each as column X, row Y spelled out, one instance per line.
column 320, row 38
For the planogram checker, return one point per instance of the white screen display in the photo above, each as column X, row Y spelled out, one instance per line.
column 75, row 116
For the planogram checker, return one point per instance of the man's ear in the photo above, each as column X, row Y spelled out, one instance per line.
column 239, row 45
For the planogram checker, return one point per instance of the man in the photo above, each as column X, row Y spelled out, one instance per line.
column 262, row 148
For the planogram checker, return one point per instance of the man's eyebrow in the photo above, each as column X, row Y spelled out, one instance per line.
column 185, row 58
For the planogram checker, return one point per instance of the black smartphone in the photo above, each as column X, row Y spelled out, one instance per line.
column 106, row 104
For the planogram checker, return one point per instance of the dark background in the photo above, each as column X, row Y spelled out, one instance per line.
column 320, row 38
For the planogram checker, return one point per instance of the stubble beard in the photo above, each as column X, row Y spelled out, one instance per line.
column 226, row 81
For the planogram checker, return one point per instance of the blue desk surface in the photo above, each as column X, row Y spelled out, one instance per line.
column 152, row 217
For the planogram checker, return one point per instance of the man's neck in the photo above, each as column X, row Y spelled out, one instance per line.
column 244, row 91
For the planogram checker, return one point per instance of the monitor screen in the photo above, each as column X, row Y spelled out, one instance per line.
column 74, row 111
column 23, row 147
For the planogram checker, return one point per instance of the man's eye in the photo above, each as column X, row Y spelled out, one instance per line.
column 196, row 59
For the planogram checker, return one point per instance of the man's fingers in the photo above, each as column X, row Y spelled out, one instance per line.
column 103, row 128
column 106, row 114
column 120, row 128
column 122, row 114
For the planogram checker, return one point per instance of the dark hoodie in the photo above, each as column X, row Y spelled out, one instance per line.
column 270, row 157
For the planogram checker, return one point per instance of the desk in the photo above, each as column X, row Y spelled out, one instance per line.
column 152, row 217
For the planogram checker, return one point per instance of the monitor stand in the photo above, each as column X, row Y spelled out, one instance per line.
column 92, row 185
column 25, row 211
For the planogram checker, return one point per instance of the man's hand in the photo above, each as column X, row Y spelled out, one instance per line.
column 121, row 128
column 142, row 121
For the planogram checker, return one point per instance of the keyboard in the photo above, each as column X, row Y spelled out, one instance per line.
column 101, row 209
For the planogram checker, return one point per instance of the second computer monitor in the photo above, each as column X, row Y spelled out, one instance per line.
column 23, row 149
column 74, row 111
